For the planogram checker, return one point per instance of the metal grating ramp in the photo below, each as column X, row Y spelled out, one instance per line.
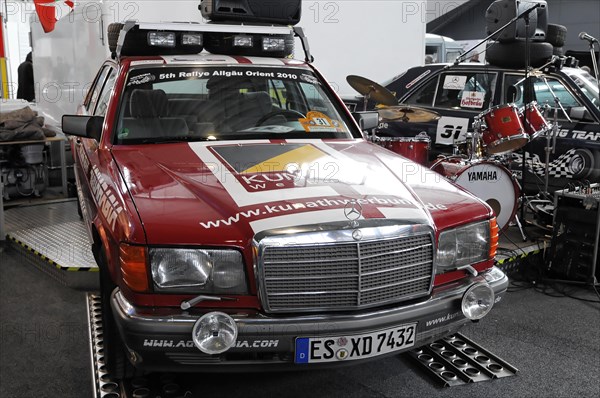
column 54, row 232
column 456, row 360
column 104, row 386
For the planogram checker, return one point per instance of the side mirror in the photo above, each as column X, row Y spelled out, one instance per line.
column 83, row 126
column 366, row 120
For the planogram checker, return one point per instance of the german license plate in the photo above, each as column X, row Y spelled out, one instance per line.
column 352, row 347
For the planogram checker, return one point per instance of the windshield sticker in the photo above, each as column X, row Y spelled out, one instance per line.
column 309, row 79
column 317, row 121
column 453, row 82
column 141, row 79
column 451, row 130
column 472, row 99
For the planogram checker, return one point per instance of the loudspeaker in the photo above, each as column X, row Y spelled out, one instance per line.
column 500, row 12
column 283, row 12
column 574, row 246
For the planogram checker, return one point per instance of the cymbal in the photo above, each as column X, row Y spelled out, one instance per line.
column 372, row 90
column 409, row 114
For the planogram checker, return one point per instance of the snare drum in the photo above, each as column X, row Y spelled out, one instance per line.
column 489, row 181
column 413, row 148
column 502, row 130
column 535, row 123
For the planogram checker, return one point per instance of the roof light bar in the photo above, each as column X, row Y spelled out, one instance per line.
column 218, row 38
column 191, row 39
column 243, row 41
column 161, row 39
column 273, row 44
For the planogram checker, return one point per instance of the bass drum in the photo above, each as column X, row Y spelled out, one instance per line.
column 489, row 181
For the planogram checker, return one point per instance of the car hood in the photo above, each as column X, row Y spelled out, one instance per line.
column 227, row 192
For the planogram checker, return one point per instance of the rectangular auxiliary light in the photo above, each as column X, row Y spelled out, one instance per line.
column 161, row 39
column 243, row 41
column 273, row 44
column 191, row 39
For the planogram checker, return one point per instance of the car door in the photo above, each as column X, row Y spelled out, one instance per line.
column 576, row 155
column 85, row 150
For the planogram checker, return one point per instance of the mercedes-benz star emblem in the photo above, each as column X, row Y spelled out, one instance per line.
column 353, row 211
column 356, row 234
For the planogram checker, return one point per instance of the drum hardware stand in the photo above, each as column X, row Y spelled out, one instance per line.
column 526, row 99
column 518, row 222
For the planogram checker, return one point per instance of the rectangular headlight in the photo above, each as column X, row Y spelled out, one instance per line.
column 191, row 39
column 198, row 271
column 273, row 44
column 243, row 41
column 161, row 39
column 463, row 245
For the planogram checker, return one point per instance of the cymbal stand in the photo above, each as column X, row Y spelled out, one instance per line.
column 550, row 146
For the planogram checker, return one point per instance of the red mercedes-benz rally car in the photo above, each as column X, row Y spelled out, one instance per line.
column 239, row 217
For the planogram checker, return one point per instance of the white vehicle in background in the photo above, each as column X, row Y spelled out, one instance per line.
column 440, row 49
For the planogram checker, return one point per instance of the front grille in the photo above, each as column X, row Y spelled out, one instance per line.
column 346, row 275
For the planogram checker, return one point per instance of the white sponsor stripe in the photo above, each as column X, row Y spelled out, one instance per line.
column 237, row 191
column 306, row 218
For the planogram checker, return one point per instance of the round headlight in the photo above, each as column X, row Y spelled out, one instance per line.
column 214, row 333
column 477, row 301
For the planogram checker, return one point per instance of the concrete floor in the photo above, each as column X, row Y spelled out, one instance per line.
column 553, row 341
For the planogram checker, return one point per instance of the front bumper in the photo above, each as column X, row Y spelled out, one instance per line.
column 164, row 342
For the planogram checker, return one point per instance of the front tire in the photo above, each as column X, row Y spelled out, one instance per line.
column 585, row 164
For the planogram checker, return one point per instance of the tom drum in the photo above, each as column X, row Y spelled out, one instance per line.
column 502, row 130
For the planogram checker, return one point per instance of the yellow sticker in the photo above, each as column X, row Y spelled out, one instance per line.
column 317, row 121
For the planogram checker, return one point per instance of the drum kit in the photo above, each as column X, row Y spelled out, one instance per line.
column 477, row 164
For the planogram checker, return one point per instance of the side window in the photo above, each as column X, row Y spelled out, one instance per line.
column 94, row 93
column 544, row 88
column 423, row 96
column 469, row 91
column 104, row 96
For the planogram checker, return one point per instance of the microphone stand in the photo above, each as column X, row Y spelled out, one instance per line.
column 526, row 100
column 595, row 64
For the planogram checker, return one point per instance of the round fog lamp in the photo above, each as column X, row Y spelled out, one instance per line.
column 214, row 333
column 477, row 301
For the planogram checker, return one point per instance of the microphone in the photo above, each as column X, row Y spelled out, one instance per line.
column 585, row 36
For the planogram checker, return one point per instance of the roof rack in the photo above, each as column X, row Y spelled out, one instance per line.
column 178, row 38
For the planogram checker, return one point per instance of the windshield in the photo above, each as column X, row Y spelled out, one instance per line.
column 587, row 84
column 225, row 103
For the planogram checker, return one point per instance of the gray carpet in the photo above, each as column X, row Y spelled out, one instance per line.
column 553, row 341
